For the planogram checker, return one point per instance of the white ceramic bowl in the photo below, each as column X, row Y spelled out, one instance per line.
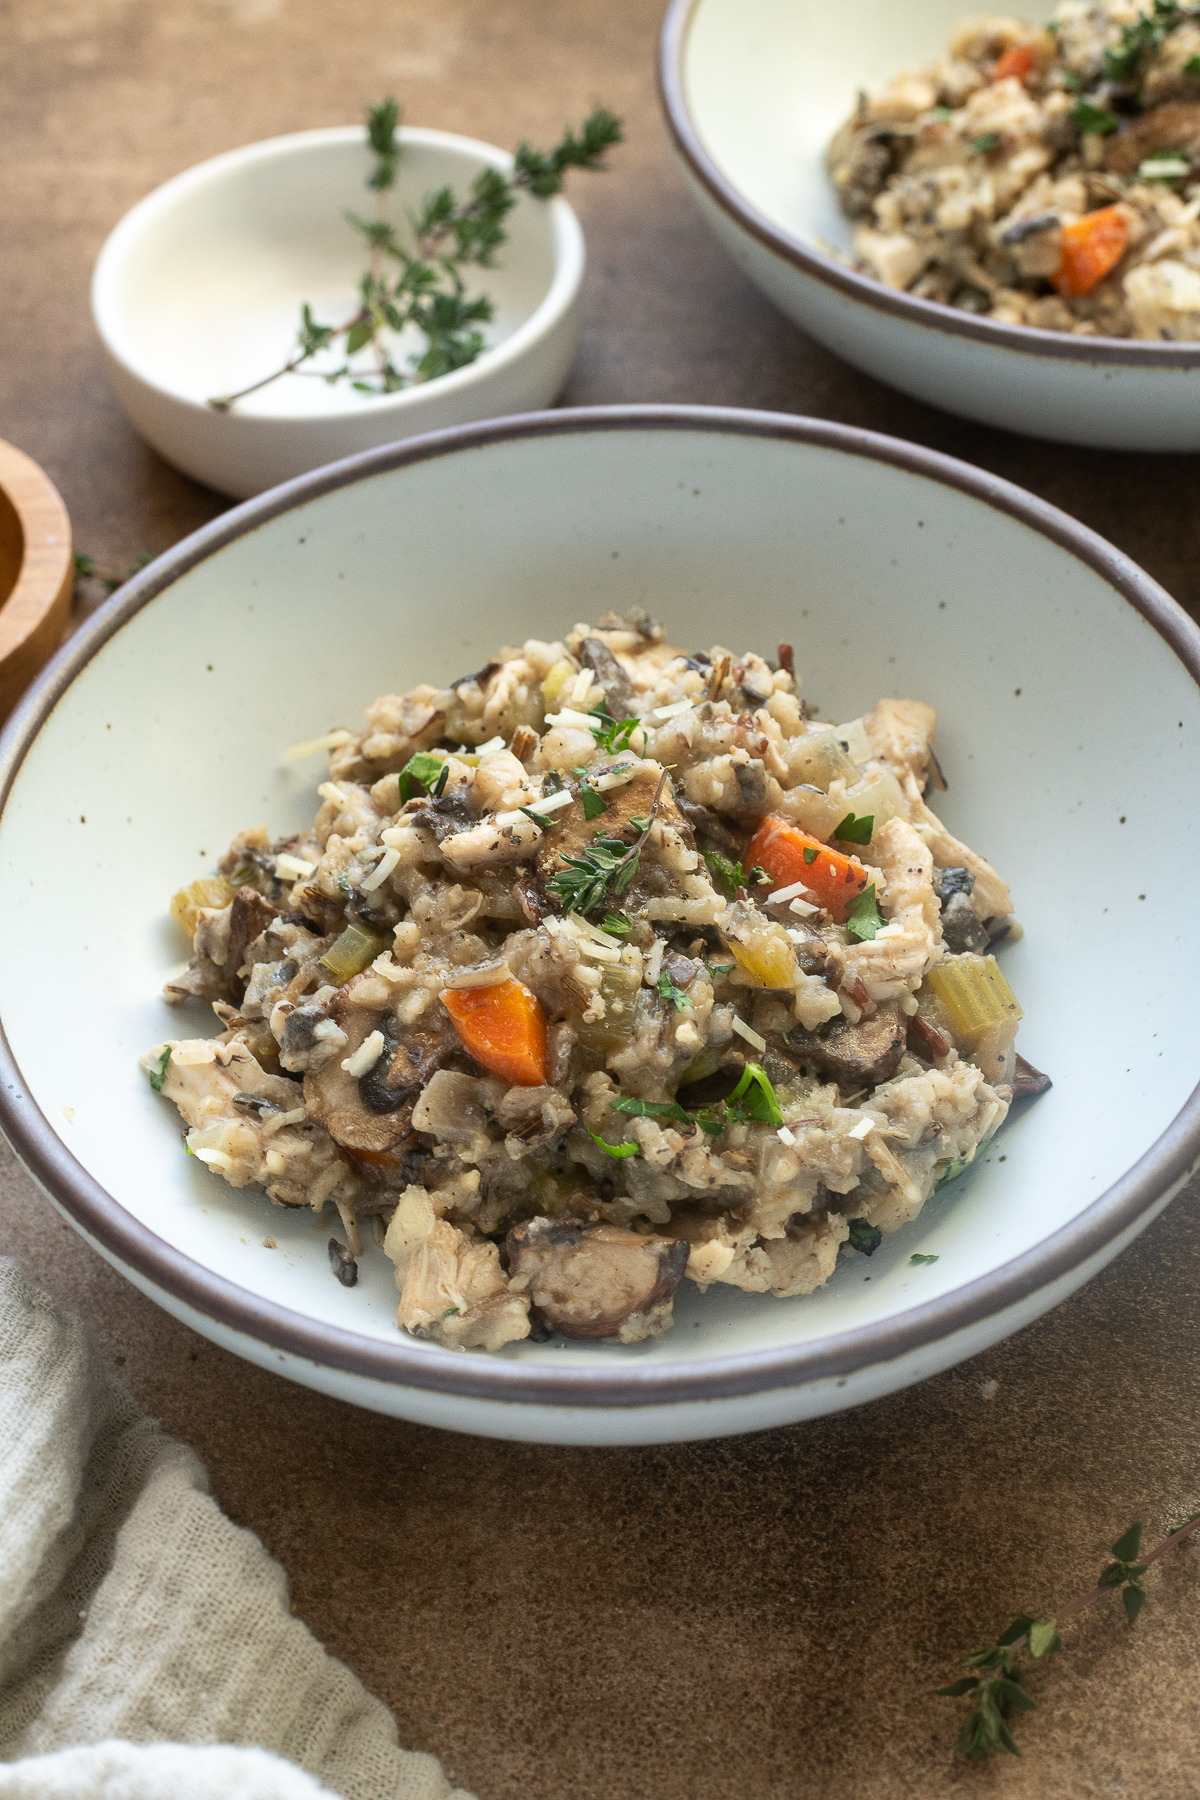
column 197, row 292
column 753, row 90
column 1067, row 688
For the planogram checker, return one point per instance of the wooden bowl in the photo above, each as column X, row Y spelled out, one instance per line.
column 36, row 571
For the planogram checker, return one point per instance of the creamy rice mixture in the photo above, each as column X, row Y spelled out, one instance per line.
column 602, row 967
column 1046, row 177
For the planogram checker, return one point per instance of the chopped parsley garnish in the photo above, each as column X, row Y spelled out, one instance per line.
column 1192, row 67
column 864, row 918
column 715, row 969
column 855, row 831
column 611, row 734
column 709, row 1124
column 811, row 854
column 988, row 140
column 159, row 1073
column 759, row 874
column 952, row 1171
column 726, row 874
column 757, row 1096
column 864, row 1237
column 423, row 768
column 669, row 991
column 616, row 923
column 1123, row 62
column 593, row 803
column 650, row 1109
column 1089, row 118
column 617, row 1150
column 918, row 1258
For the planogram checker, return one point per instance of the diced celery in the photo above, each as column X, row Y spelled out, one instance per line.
column 975, row 995
column 619, row 991
column 210, row 891
column 704, row 1065
column 353, row 951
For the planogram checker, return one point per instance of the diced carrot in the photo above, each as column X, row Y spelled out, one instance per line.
column 1090, row 248
column 1017, row 61
column 834, row 880
column 502, row 1027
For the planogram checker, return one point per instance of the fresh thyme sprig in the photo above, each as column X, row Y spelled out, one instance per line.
column 995, row 1692
column 583, row 881
column 428, row 290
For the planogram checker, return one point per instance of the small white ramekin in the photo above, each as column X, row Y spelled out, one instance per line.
column 197, row 292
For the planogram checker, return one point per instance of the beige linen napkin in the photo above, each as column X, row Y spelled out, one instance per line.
column 137, row 1622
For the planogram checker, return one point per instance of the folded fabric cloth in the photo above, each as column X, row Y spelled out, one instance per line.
column 137, row 1622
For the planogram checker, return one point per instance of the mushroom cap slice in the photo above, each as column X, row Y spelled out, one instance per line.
column 372, row 1112
column 596, row 1281
column 866, row 1053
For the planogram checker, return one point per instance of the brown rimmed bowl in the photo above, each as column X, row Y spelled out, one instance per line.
column 158, row 732
column 753, row 90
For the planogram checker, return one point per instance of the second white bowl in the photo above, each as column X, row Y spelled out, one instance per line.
column 198, row 290
column 753, row 91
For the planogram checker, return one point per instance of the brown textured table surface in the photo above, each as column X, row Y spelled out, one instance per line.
column 761, row 1617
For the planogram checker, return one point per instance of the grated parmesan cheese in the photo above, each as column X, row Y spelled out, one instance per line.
column 381, row 871
column 330, row 741
column 552, row 803
column 863, row 1129
column 787, row 1137
column 293, row 868
column 581, row 721
column 366, row 1056
column 751, row 1037
column 672, row 711
column 216, row 1159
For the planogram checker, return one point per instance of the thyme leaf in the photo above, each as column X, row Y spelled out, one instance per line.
column 422, row 284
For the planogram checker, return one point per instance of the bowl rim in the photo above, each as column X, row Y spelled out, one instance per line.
column 562, row 291
column 1030, row 340
column 159, row 1265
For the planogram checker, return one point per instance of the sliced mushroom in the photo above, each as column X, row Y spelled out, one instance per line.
column 373, row 1111
column 856, row 1055
column 1028, row 1081
column 1174, row 126
column 618, row 689
column 596, row 1281
column 249, row 916
column 707, row 823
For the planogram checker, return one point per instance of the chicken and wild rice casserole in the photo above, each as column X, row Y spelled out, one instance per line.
column 1040, row 177
column 601, row 967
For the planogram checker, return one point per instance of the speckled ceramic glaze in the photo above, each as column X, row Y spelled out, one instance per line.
column 753, row 91
column 1066, row 684
column 198, row 290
